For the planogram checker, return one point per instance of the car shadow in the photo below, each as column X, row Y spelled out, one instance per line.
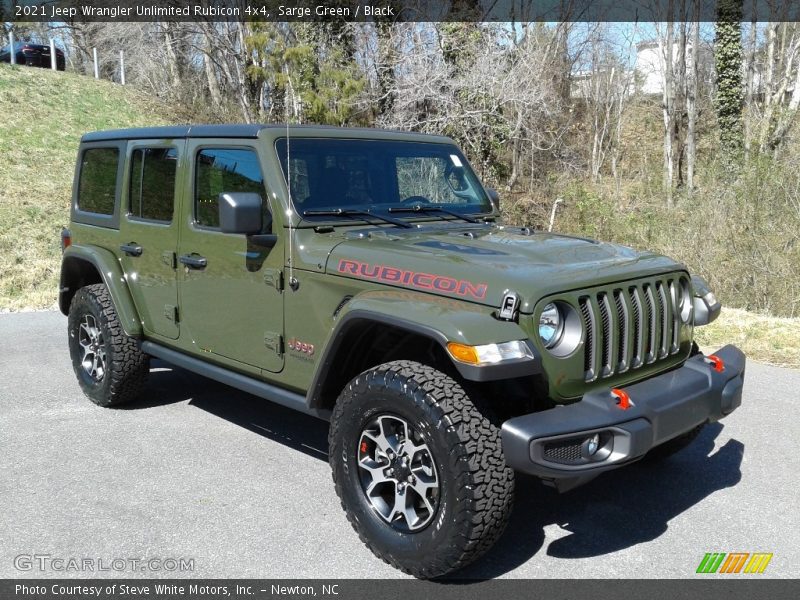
column 168, row 384
column 617, row 510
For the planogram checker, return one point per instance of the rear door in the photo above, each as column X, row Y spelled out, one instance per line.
column 231, row 298
column 149, row 231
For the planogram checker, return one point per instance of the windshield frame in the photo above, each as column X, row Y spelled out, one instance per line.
column 486, row 209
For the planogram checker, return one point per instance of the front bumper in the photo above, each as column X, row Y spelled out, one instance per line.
column 569, row 445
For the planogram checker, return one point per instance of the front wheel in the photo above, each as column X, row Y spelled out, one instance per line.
column 419, row 469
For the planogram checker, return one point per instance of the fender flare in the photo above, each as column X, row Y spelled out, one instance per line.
column 108, row 268
column 439, row 319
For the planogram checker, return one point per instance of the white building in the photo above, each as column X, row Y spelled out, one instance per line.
column 647, row 75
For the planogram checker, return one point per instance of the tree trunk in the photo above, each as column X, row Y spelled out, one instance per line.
column 172, row 58
column 666, row 47
column 691, row 101
column 679, row 107
column 749, row 71
column 728, row 63
column 769, row 79
column 211, row 75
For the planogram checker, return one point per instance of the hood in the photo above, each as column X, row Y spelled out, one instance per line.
column 479, row 264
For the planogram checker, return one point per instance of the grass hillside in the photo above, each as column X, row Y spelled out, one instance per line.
column 42, row 117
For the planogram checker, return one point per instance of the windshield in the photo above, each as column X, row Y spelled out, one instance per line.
column 375, row 175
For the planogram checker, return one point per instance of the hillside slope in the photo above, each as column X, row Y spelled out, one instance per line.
column 42, row 117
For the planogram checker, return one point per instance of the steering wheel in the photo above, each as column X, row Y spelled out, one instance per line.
column 416, row 200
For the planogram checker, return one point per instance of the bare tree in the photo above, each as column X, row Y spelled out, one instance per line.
column 691, row 99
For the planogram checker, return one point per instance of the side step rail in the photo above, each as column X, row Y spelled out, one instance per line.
column 237, row 380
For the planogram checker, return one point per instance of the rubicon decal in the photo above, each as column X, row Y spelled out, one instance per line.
column 734, row 562
column 414, row 279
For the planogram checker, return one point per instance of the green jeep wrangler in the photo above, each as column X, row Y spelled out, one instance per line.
column 363, row 277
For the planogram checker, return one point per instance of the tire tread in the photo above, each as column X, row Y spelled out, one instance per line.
column 482, row 476
column 128, row 365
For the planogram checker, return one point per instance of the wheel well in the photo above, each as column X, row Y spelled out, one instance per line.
column 369, row 344
column 75, row 274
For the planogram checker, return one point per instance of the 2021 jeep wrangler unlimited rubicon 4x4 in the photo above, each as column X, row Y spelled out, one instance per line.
column 363, row 277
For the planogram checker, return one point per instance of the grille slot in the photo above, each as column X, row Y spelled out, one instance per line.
column 676, row 317
column 623, row 317
column 590, row 327
column 638, row 329
column 629, row 326
column 605, row 320
column 651, row 324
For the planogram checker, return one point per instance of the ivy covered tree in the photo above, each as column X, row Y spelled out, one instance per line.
column 305, row 73
column 728, row 62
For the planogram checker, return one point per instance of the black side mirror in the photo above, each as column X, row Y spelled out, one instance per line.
column 241, row 212
column 494, row 197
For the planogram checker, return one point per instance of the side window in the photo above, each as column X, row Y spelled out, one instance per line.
column 97, row 187
column 219, row 170
column 152, row 183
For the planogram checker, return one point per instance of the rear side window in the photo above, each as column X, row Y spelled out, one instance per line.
column 219, row 170
column 98, row 180
column 152, row 183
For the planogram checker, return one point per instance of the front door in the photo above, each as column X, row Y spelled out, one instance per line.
column 231, row 298
column 149, row 232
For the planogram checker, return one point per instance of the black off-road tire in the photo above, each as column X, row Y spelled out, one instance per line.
column 127, row 366
column 673, row 446
column 476, row 486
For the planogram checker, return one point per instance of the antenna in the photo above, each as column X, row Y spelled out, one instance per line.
column 293, row 283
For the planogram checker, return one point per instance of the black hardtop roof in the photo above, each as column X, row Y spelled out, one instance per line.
column 218, row 131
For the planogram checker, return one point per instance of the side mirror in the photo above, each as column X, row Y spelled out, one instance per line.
column 494, row 197
column 241, row 212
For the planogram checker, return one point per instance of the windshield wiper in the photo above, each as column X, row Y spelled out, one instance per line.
column 349, row 212
column 421, row 208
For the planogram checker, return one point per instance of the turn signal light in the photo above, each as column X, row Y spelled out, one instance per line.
column 490, row 354
column 464, row 353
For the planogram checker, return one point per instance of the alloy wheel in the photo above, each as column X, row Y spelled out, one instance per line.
column 398, row 474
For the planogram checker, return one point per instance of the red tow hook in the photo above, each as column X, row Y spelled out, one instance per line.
column 716, row 363
column 623, row 399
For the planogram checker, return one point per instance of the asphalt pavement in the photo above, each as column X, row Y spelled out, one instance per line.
column 238, row 487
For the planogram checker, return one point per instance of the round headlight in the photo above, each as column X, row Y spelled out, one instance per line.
column 550, row 325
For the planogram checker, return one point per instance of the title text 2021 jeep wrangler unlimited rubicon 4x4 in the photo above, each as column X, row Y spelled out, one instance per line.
column 362, row 276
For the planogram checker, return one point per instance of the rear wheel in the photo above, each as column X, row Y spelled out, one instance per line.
column 110, row 367
column 419, row 469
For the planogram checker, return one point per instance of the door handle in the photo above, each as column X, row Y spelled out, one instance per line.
column 132, row 249
column 194, row 261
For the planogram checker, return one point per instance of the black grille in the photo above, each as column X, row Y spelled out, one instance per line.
column 640, row 326
column 568, row 451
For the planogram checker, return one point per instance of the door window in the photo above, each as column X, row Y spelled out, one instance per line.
column 152, row 184
column 225, row 170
